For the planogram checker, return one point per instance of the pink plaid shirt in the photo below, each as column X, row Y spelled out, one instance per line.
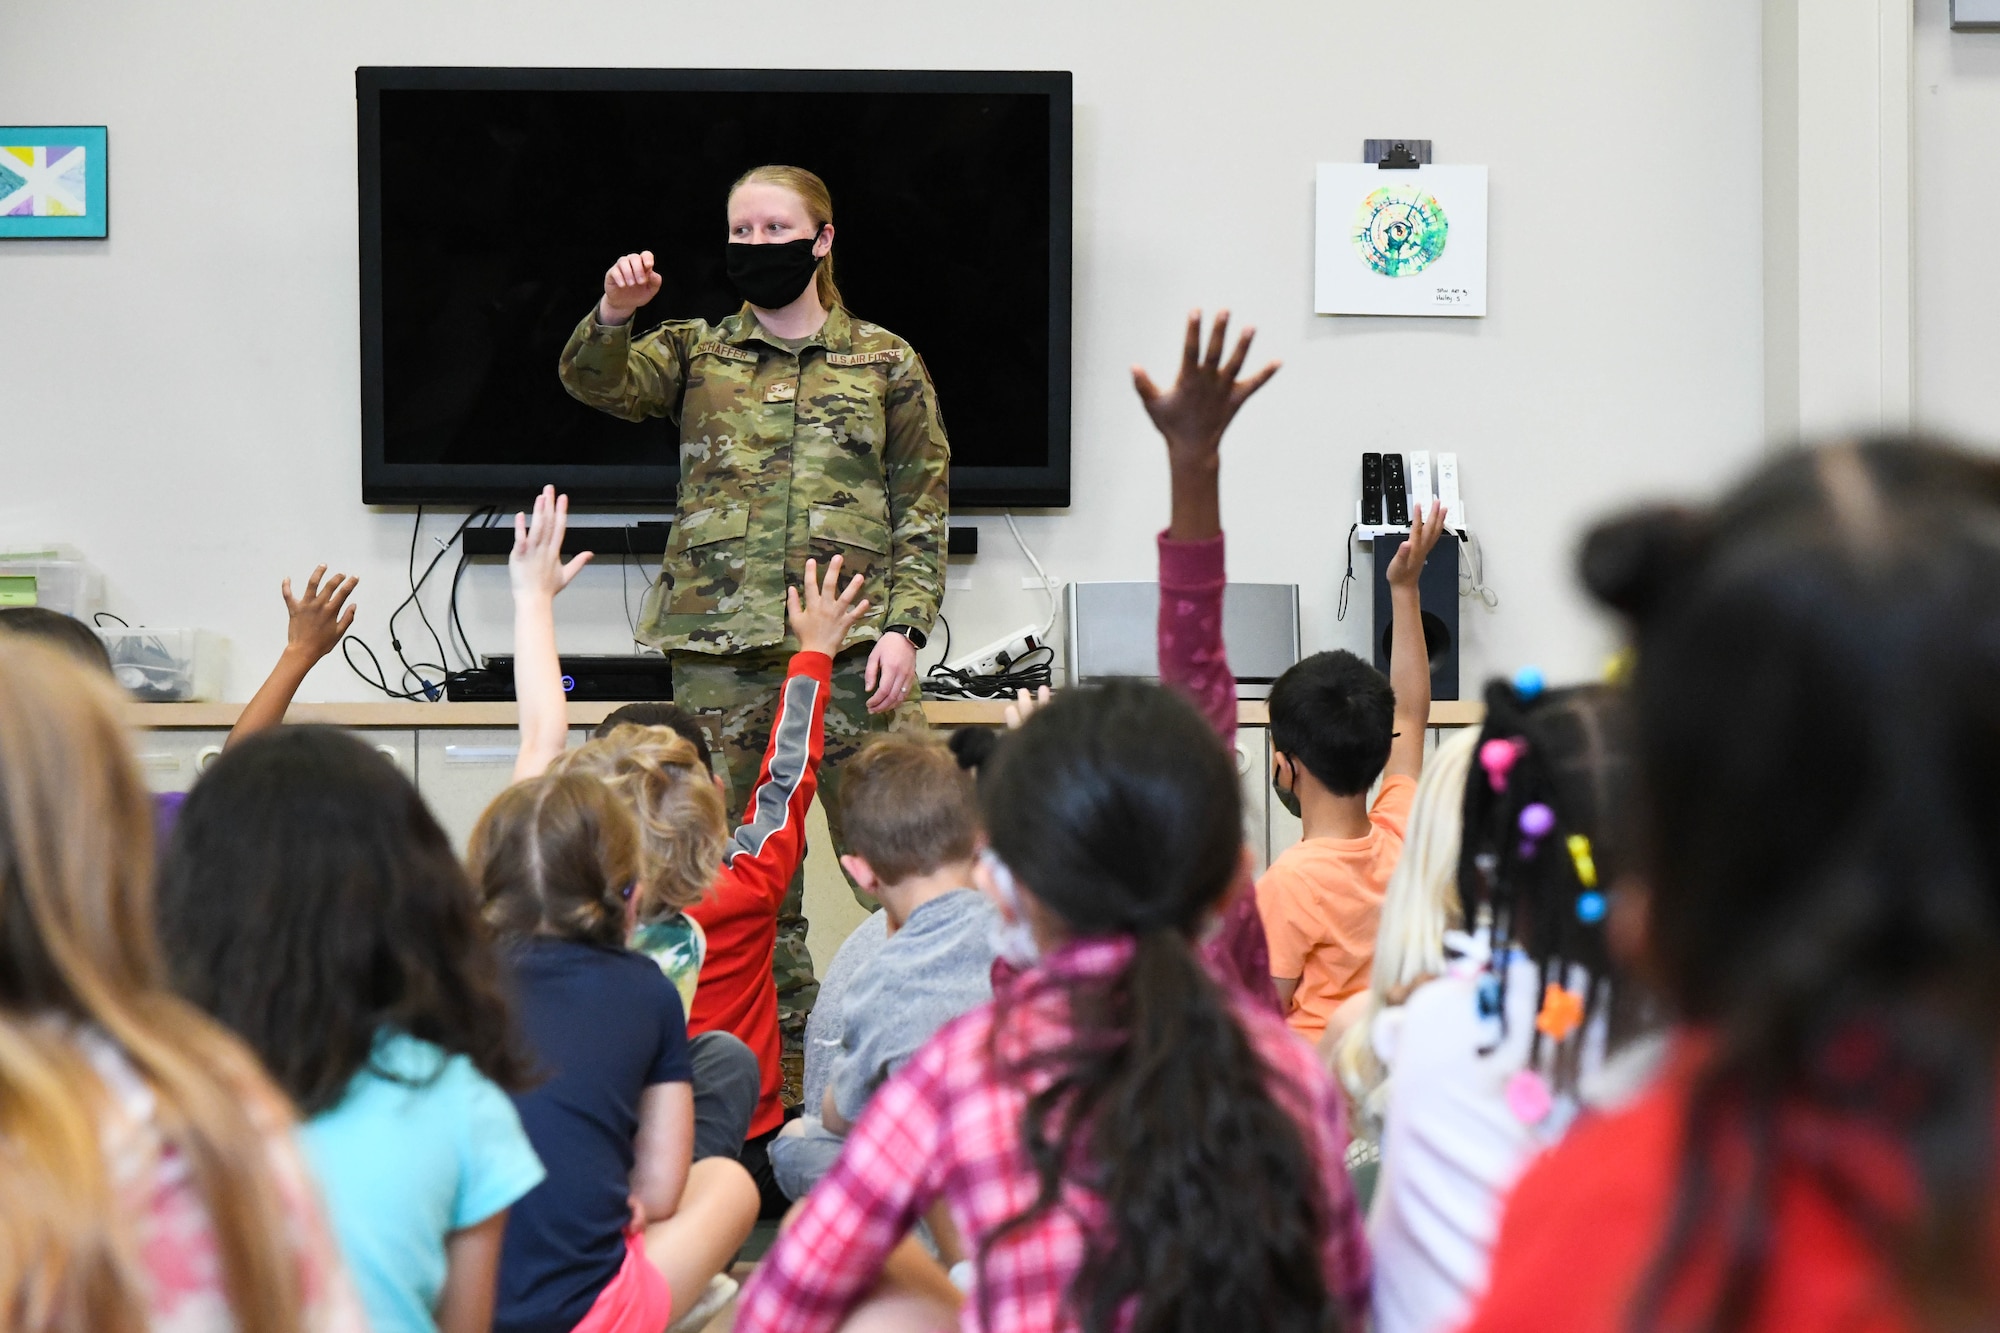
column 946, row 1126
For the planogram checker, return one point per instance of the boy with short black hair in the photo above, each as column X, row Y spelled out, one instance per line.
column 1336, row 725
column 912, row 833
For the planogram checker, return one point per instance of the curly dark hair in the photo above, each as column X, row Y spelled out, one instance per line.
column 1118, row 810
column 1818, row 664
column 309, row 901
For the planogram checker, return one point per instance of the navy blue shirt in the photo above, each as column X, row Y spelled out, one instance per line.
column 604, row 1024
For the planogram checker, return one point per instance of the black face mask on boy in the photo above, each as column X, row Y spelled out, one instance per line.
column 773, row 275
column 1287, row 797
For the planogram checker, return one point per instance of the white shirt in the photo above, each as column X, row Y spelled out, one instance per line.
column 1451, row 1148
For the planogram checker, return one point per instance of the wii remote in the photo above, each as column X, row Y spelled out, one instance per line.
column 1447, row 489
column 1421, row 494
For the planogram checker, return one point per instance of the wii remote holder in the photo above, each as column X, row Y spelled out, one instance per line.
column 1429, row 479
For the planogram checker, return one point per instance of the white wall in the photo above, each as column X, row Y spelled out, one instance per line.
column 181, row 400
column 1957, row 118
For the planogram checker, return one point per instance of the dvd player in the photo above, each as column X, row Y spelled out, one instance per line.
column 610, row 677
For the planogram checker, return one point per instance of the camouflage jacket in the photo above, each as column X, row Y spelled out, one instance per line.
column 836, row 449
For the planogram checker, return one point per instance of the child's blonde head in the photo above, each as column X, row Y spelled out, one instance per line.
column 556, row 855
column 657, row 775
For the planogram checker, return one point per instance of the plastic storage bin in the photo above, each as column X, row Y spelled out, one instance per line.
column 166, row 665
column 53, row 581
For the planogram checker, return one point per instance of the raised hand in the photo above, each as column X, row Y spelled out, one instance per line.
column 318, row 620
column 535, row 566
column 1408, row 562
column 1024, row 705
column 820, row 613
column 628, row 284
column 1206, row 392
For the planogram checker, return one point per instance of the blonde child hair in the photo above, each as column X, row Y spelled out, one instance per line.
column 556, row 855
column 683, row 829
column 78, row 956
column 1420, row 904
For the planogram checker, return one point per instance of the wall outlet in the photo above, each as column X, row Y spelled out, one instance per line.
column 997, row 654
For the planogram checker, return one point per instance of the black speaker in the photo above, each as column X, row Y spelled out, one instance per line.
column 1437, row 592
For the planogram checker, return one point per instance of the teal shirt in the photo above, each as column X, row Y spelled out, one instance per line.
column 421, row 1145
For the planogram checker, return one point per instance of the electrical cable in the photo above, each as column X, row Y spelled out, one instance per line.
column 1040, row 573
column 100, row 617
column 1030, row 671
column 1472, row 570
column 414, row 671
column 1347, row 581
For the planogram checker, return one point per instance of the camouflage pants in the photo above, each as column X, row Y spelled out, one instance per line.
column 735, row 698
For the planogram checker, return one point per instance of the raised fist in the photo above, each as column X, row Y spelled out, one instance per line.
column 628, row 284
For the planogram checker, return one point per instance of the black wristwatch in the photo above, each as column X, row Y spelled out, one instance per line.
column 916, row 636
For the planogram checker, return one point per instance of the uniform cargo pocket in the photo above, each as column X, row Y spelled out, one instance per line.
column 861, row 542
column 706, row 564
column 849, row 527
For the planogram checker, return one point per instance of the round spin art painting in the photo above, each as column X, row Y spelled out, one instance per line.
column 1400, row 231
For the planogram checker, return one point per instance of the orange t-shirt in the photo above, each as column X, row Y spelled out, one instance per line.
column 1321, row 901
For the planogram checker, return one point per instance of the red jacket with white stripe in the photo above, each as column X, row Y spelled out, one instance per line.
column 739, row 913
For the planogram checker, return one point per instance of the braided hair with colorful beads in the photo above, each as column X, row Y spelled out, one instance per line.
column 1541, row 852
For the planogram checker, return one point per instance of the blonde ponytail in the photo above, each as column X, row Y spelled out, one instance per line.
column 812, row 192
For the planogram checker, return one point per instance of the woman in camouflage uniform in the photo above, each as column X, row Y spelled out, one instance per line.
column 804, row 433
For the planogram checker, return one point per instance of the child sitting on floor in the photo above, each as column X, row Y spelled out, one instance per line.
column 311, row 903
column 1113, row 1104
column 1817, row 887
column 1527, row 1019
column 738, row 912
column 912, row 832
column 1336, row 726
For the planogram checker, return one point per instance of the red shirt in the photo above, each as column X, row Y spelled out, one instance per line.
column 739, row 913
column 1586, row 1221
column 948, row 1126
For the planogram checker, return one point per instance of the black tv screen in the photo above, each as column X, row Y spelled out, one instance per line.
column 492, row 201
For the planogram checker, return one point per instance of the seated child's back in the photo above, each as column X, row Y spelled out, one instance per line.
column 912, row 829
column 913, row 834
column 1337, row 725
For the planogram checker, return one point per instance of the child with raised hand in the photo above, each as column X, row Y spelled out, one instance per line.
column 1191, row 417
column 310, row 903
column 314, row 625
column 1120, row 1140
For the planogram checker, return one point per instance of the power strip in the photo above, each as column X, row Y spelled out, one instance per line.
column 996, row 655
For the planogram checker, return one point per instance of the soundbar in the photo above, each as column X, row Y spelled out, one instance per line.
column 611, row 677
column 642, row 539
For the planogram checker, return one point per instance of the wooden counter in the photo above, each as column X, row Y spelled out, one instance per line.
column 401, row 714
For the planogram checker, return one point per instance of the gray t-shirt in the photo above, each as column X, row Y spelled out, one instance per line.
column 938, row 966
column 823, row 1024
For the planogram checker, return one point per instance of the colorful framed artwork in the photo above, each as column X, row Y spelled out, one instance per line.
column 1408, row 242
column 52, row 182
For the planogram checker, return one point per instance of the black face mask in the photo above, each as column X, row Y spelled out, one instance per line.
column 773, row 275
column 1286, row 796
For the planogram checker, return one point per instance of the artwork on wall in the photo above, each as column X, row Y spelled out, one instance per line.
column 52, row 181
column 1400, row 242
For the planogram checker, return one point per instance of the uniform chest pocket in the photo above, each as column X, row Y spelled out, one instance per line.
column 859, row 539
column 707, row 565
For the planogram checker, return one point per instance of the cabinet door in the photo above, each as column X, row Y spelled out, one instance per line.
column 172, row 760
column 1253, row 770
column 461, row 769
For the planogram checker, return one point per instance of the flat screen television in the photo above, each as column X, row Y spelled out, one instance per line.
column 492, row 201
